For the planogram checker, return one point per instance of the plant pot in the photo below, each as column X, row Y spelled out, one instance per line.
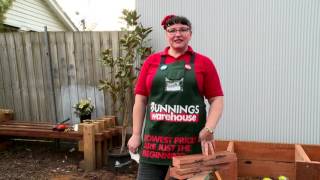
column 119, row 162
column 84, row 117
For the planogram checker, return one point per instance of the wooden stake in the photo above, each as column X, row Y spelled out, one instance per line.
column 89, row 147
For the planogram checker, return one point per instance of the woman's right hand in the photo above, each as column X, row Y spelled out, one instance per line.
column 133, row 143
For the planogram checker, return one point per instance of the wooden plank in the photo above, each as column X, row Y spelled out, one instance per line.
column 89, row 147
column 300, row 154
column 27, row 123
column 264, row 151
column 261, row 168
column 230, row 147
column 47, row 79
column 179, row 161
column 221, row 157
column 14, row 76
column 56, row 78
column 26, row 109
column 39, row 133
column 27, row 126
column 232, row 172
column 2, row 94
column 313, row 152
column 72, row 73
column 31, row 77
column 88, row 69
column 196, row 170
column 81, row 84
column 97, row 73
column 63, row 71
column 308, row 170
column 38, row 75
column 106, row 44
column 6, row 73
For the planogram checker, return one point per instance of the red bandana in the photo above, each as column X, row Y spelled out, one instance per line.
column 165, row 19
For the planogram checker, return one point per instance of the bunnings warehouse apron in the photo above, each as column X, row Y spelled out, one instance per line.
column 175, row 114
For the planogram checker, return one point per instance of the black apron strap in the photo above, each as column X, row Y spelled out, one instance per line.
column 192, row 58
column 163, row 59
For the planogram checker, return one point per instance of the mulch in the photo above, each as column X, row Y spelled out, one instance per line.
column 45, row 160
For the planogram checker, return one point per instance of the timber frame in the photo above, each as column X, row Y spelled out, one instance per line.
column 94, row 136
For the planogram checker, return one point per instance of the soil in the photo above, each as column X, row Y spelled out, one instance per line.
column 44, row 160
column 41, row 160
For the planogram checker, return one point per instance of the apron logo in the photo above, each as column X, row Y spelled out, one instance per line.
column 174, row 85
column 174, row 113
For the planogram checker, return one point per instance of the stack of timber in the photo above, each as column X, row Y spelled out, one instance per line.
column 198, row 166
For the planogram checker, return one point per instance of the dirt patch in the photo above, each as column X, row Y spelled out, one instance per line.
column 44, row 160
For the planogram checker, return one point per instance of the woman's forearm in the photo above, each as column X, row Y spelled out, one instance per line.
column 139, row 109
column 215, row 111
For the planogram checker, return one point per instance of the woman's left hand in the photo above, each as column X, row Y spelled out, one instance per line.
column 207, row 142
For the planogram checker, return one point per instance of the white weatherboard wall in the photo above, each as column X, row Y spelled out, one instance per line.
column 33, row 15
column 267, row 55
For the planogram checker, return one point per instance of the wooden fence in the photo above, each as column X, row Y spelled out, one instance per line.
column 38, row 93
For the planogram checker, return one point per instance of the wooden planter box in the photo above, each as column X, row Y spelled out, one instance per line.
column 307, row 162
column 260, row 159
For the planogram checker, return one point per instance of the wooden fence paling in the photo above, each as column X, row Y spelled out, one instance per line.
column 88, row 62
column 26, row 77
column 72, row 72
column 105, row 44
column 22, row 77
column 11, row 50
column 96, row 52
column 47, row 79
column 63, row 77
column 37, row 62
column 6, row 73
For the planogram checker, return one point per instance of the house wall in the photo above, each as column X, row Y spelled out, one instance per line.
column 33, row 15
column 267, row 55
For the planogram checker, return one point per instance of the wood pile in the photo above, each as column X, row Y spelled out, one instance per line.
column 190, row 166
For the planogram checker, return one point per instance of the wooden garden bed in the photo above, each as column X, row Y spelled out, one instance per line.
column 94, row 144
column 260, row 159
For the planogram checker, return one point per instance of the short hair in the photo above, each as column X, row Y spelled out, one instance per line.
column 177, row 20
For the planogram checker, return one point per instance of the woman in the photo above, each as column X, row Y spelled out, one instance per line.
column 170, row 91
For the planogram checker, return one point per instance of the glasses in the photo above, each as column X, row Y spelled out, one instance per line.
column 182, row 31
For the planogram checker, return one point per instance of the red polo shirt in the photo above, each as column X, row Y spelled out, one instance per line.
column 205, row 72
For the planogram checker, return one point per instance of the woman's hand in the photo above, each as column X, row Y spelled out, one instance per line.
column 133, row 143
column 207, row 142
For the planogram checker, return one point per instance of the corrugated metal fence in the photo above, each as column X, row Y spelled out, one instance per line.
column 267, row 53
column 28, row 85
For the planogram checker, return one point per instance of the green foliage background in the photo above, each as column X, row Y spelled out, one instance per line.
column 4, row 6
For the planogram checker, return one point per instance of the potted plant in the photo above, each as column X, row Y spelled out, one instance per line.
column 124, row 67
column 83, row 109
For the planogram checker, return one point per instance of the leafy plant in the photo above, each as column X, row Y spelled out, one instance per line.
column 83, row 107
column 119, row 85
column 4, row 6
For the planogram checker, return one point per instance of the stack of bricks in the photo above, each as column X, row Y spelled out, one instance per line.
column 198, row 166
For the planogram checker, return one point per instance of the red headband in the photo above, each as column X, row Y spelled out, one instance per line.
column 165, row 19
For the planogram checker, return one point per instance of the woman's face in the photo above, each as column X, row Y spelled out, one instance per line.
column 178, row 36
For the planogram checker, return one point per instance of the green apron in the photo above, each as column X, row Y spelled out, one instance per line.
column 176, row 113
